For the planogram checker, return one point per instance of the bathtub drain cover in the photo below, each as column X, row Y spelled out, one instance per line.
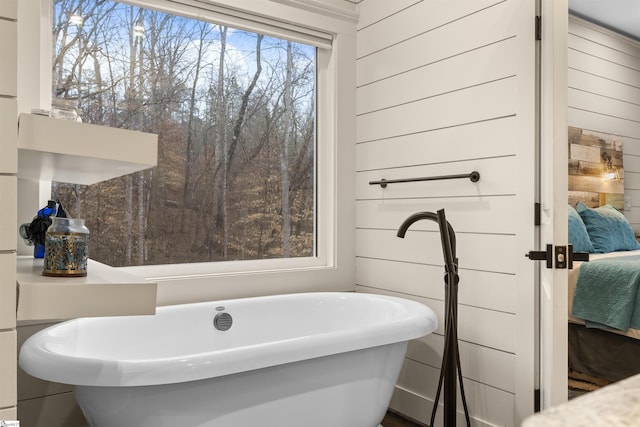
column 222, row 321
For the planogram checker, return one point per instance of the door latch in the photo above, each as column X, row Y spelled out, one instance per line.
column 542, row 256
column 576, row 256
column 562, row 256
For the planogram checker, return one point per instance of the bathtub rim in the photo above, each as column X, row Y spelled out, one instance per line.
column 37, row 360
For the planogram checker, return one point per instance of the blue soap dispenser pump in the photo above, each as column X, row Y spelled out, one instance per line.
column 45, row 214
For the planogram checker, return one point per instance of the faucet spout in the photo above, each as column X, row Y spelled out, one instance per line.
column 447, row 234
column 414, row 218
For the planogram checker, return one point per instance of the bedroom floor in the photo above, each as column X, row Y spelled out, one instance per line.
column 576, row 392
column 580, row 384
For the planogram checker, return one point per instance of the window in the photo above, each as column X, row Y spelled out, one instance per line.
column 235, row 112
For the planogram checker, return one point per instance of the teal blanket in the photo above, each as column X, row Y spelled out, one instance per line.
column 607, row 293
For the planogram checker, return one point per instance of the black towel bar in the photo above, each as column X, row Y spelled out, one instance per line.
column 473, row 176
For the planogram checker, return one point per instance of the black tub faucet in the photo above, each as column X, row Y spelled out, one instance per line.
column 450, row 368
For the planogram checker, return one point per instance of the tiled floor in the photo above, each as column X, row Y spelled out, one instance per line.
column 394, row 420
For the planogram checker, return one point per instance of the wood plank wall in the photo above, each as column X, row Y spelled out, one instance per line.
column 604, row 95
column 8, row 214
column 439, row 88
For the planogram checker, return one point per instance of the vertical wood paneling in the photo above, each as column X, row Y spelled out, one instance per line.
column 30, row 387
column 8, row 217
column 604, row 95
column 618, row 90
column 59, row 410
column 9, row 10
column 604, row 105
column 479, row 364
column 8, row 214
column 382, row 10
column 8, row 384
column 481, row 398
column 491, row 177
column 424, row 247
column 480, row 289
column 602, row 36
column 410, row 22
column 490, row 214
column 9, row 140
column 465, row 105
column 492, row 64
column 444, row 88
column 9, row 413
column 490, row 328
column 462, row 35
column 464, row 141
column 7, row 290
column 43, row 403
column 8, row 57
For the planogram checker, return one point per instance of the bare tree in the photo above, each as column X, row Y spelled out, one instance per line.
column 221, row 114
column 235, row 149
column 189, row 149
column 284, row 153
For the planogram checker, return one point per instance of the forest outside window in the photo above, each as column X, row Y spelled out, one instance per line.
column 235, row 114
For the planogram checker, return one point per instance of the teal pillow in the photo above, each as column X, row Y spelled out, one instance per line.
column 609, row 230
column 578, row 235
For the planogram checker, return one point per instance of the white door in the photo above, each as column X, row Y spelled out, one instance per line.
column 553, row 198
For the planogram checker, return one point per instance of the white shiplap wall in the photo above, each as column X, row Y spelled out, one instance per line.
column 604, row 95
column 8, row 186
column 447, row 87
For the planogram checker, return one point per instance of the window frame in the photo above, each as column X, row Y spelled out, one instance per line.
column 333, row 266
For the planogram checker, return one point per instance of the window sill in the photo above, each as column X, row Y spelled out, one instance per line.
column 105, row 291
column 226, row 280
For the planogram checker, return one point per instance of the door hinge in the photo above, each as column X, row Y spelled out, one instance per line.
column 538, row 27
column 558, row 257
column 537, row 213
column 536, row 400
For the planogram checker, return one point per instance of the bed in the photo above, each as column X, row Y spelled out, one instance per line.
column 604, row 325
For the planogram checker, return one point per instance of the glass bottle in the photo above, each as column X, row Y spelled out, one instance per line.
column 66, row 248
column 66, row 109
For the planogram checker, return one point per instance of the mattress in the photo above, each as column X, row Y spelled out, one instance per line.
column 573, row 279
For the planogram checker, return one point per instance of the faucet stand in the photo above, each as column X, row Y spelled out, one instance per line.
column 450, row 371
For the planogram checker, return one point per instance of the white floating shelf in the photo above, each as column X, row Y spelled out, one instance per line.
column 80, row 153
column 105, row 291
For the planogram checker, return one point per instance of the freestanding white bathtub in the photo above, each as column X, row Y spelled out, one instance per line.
column 315, row 359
